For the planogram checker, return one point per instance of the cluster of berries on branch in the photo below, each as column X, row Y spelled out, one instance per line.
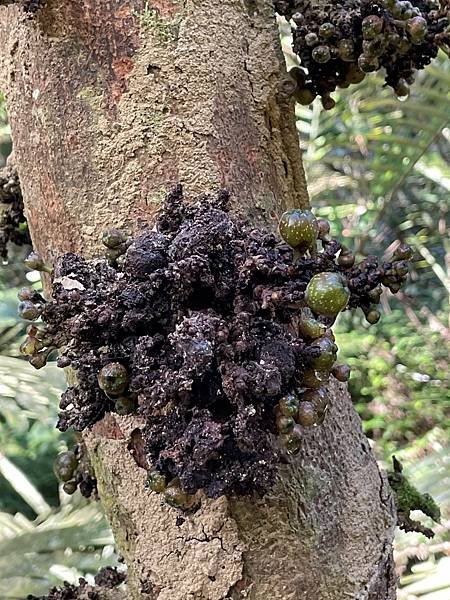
column 338, row 43
column 13, row 225
column 216, row 333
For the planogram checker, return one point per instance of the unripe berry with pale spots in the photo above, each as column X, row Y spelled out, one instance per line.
column 299, row 229
column 113, row 379
column 325, row 360
column 327, row 294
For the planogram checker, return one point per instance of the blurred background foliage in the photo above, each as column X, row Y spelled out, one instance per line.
column 379, row 170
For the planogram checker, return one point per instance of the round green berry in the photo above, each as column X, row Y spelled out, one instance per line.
column 156, row 481
column 373, row 316
column 288, row 405
column 327, row 30
column 327, row 354
column 317, row 397
column 285, row 424
column 311, row 39
column 314, row 379
column 403, row 252
column 371, row 27
column 28, row 311
column 113, row 379
column 402, row 88
column 307, row 414
column 124, row 406
column 112, row 238
column 328, row 102
column 309, row 327
column 354, row 74
column 304, row 96
column 327, row 294
column 70, row 487
column 368, row 64
column 341, row 372
column 175, row 496
column 65, row 466
column 293, row 440
column 346, row 50
column 321, row 54
column 417, row 29
column 299, row 228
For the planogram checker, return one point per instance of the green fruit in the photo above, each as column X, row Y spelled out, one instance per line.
column 403, row 252
column 293, row 440
column 402, row 88
column 314, row 379
column 309, row 327
column 65, row 466
column 327, row 356
column 112, row 238
column 328, row 102
column 285, row 424
column 30, row 346
column 307, row 415
column 288, row 406
column 354, row 74
column 321, row 54
column 70, row 487
column 156, row 482
column 417, row 29
column 311, row 39
column 371, row 27
column 113, row 379
column 327, row 30
column 341, row 372
column 373, row 316
column 327, row 294
column 375, row 294
column 304, row 96
column 299, row 228
column 324, row 228
column 124, row 406
column 176, row 497
column 346, row 50
column 346, row 259
column 318, row 397
column 368, row 64
column 28, row 311
column 35, row 262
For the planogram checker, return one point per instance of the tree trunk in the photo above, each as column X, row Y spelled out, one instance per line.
column 111, row 103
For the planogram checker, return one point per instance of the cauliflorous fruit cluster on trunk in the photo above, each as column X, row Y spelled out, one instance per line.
column 13, row 225
column 338, row 43
column 215, row 332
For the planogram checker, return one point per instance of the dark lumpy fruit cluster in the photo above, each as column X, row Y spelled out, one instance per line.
column 13, row 225
column 339, row 43
column 218, row 334
column 73, row 470
column 107, row 578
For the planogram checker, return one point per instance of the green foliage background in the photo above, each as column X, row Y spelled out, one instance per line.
column 380, row 171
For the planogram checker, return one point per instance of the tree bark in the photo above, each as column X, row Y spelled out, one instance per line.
column 111, row 103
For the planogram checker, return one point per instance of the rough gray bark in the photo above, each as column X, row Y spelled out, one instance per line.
column 110, row 105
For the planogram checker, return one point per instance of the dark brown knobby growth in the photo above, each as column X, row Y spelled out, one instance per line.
column 13, row 225
column 217, row 333
column 107, row 578
column 338, row 43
